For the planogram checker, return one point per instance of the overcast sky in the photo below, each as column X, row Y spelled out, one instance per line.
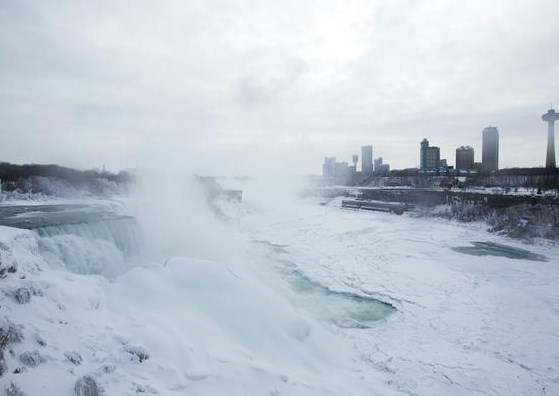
column 247, row 86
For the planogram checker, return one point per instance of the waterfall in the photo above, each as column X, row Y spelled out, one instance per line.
column 105, row 247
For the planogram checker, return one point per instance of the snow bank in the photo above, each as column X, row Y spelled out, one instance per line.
column 224, row 330
column 181, row 326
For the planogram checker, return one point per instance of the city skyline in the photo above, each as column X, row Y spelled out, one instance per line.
column 449, row 153
column 430, row 157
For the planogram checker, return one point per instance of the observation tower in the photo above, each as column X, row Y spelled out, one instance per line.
column 550, row 117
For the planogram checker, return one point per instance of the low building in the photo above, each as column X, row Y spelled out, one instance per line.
column 380, row 167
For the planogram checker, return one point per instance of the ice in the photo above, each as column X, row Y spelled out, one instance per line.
column 465, row 324
column 344, row 309
column 207, row 327
column 303, row 299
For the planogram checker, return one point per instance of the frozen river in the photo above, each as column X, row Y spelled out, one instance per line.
column 274, row 296
column 476, row 313
column 55, row 214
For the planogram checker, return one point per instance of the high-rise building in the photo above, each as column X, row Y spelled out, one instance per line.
column 355, row 159
column 465, row 158
column 378, row 161
column 367, row 159
column 550, row 117
column 429, row 156
column 490, row 149
column 328, row 167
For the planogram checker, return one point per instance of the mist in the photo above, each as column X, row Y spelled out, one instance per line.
column 175, row 215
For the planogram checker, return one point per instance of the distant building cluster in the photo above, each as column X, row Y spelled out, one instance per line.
column 342, row 170
column 430, row 156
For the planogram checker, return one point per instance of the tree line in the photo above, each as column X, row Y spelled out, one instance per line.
column 54, row 179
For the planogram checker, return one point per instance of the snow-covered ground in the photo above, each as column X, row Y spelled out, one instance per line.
column 256, row 305
column 466, row 324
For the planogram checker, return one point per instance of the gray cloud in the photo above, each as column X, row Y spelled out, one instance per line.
column 244, row 87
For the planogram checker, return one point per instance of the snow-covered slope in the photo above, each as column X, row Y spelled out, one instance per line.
column 171, row 327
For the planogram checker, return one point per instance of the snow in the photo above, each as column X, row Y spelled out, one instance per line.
column 466, row 324
column 229, row 321
column 182, row 326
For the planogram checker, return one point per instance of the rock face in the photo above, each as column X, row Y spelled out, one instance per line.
column 86, row 386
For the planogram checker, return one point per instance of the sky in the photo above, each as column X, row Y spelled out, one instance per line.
column 251, row 86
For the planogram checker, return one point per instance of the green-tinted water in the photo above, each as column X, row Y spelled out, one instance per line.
column 496, row 249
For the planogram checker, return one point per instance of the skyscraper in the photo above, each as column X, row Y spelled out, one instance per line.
column 490, row 149
column 464, row 158
column 367, row 159
column 378, row 162
column 429, row 156
column 328, row 167
column 355, row 160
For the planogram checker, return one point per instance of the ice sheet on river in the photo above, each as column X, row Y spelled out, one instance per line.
column 466, row 324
